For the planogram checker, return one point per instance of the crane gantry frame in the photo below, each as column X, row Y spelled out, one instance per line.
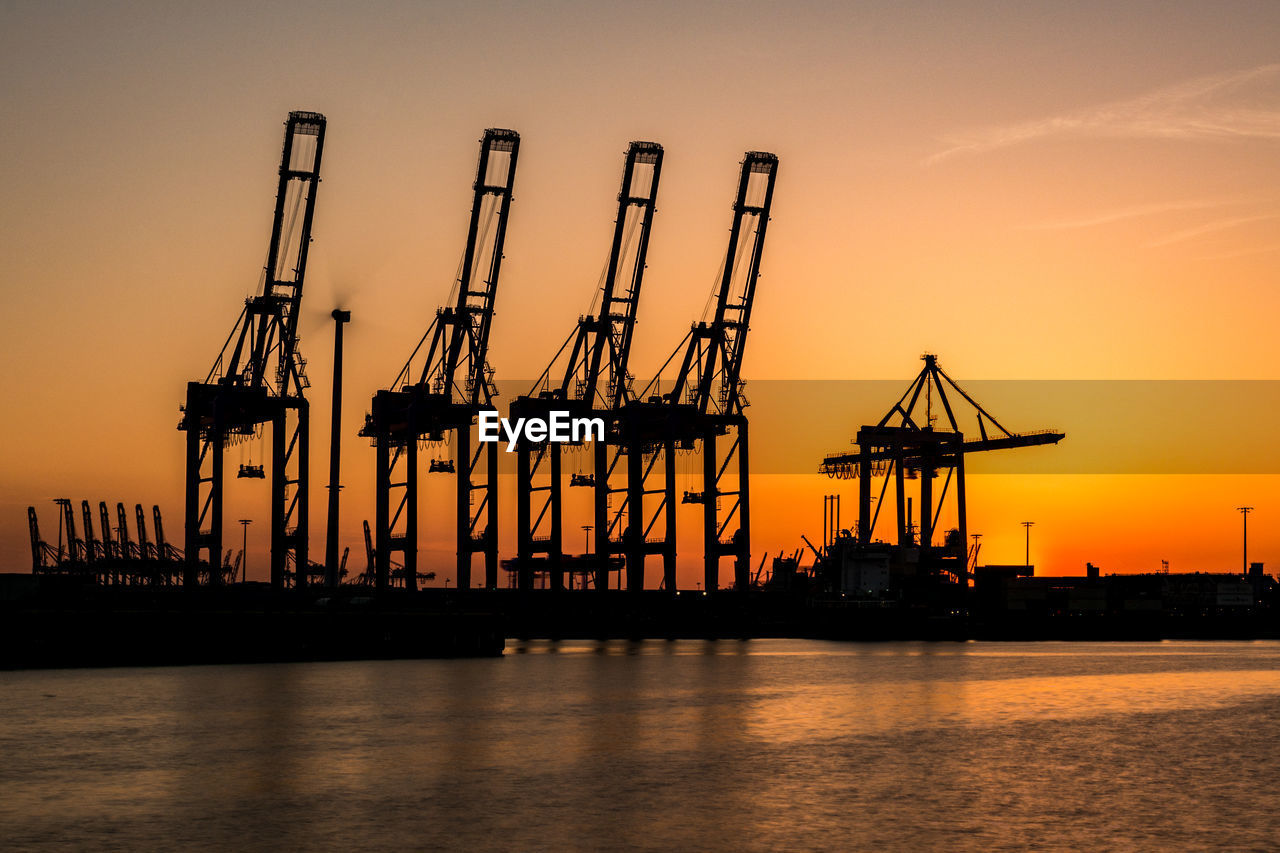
column 445, row 397
column 904, row 444
column 595, row 381
column 261, row 380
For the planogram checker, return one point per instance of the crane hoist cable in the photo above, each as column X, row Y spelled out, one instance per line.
column 296, row 196
column 632, row 226
column 733, row 275
column 489, row 206
column 715, row 285
column 453, row 291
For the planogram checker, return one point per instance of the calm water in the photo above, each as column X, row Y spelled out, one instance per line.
column 764, row 745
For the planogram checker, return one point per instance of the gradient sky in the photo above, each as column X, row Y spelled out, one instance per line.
column 1030, row 190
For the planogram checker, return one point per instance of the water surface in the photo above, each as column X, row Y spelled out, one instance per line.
column 760, row 745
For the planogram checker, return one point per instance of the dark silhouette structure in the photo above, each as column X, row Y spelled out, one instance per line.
column 594, row 382
column 443, row 398
column 905, row 445
column 332, row 571
column 258, row 379
column 705, row 404
column 105, row 596
column 112, row 559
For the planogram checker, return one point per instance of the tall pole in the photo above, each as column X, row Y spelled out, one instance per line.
column 331, row 579
column 1028, row 525
column 244, row 550
column 586, row 552
column 826, row 524
column 1244, row 516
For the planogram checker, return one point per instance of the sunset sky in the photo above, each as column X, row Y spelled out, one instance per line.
column 1033, row 191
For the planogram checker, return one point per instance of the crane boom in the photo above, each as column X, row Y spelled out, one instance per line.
column 840, row 463
column 713, row 354
column 269, row 324
column 610, row 331
column 459, row 335
column 617, row 319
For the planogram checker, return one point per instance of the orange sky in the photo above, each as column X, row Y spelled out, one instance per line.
column 1032, row 191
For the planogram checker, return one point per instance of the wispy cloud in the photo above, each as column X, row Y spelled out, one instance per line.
column 1256, row 250
column 1135, row 212
column 1234, row 105
column 1208, row 228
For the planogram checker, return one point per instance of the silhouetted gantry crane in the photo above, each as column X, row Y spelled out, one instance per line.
column 594, row 382
column 445, row 396
column 259, row 378
column 905, row 445
column 704, row 404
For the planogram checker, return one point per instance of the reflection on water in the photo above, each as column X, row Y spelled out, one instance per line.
column 755, row 745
